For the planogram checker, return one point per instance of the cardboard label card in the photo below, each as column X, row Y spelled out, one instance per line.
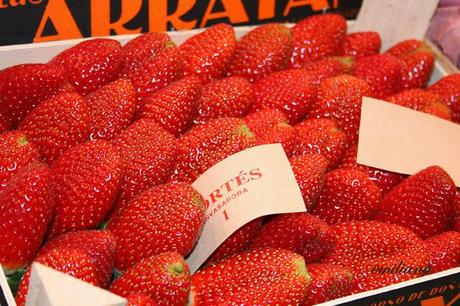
column 48, row 287
column 6, row 297
column 399, row 139
column 255, row 182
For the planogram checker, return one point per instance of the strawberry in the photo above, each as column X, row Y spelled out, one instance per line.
column 237, row 242
column 137, row 299
column 423, row 202
column 299, row 232
column 27, row 205
column 378, row 254
column 339, row 99
column 321, row 136
column 261, row 51
column 309, row 171
column 448, row 89
column 165, row 278
column 404, row 47
column 438, row 110
column 383, row 72
column 361, row 44
column 328, row 282
column 258, row 277
column 86, row 180
column 282, row 133
column 330, row 67
column 24, row 87
column 228, row 97
column 161, row 219
column 91, row 64
column 444, row 250
column 317, row 37
column 149, row 153
column 258, row 122
column 16, row 152
column 111, row 108
column 205, row 145
column 348, row 194
column 291, row 91
column 207, row 54
column 456, row 220
column 57, row 124
column 4, row 123
column 175, row 106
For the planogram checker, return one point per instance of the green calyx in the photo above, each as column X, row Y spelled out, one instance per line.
column 14, row 277
column 176, row 269
column 245, row 131
column 197, row 200
column 302, row 269
column 22, row 141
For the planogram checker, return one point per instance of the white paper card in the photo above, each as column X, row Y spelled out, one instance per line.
column 48, row 287
column 399, row 139
column 6, row 297
column 395, row 20
column 255, row 182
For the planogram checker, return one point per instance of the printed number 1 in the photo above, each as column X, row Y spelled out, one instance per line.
column 225, row 215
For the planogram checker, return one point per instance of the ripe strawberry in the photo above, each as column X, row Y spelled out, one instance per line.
column 291, row 91
column 261, row 51
column 257, row 277
column 239, row 241
column 27, row 205
column 317, row 37
column 383, row 72
column 165, row 278
column 321, row 136
column 339, row 99
column 448, row 88
column 404, row 47
column 328, row 282
column 207, row 54
column 330, row 67
column 378, row 254
column 175, row 106
column 24, row 87
column 91, row 64
column 161, row 219
column 111, row 108
column 361, row 44
column 258, row 122
column 5, row 124
column 423, row 202
column 205, row 145
column 16, row 152
column 309, row 171
column 282, row 133
column 137, row 299
column 439, row 110
column 348, row 194
column 302, row 233
column 86, row 179
column 456, row 221
column 57, row 124
column 149, row 153
column 444, row 251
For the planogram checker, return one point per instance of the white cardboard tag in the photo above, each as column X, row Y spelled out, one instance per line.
column 6, row 297
column 395, row 20
column 255, row 182
column 399, row 139
column 48, row 287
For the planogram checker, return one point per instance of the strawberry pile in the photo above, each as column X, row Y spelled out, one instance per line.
column 98, row 149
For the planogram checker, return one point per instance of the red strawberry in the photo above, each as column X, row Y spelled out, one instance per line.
column 86, row 180
column 239, row 241
column 383, row 72
column 317, row 37
column 161, row 219
column 444, row 251
column 149, row 153
column 299, row 232
column 291, row 91
column 261, row 51
column 205, row 145
column 321, row 136
column 175, row 106
column 456, row 221
column 258, row 122
column 282, row 133
column 57, row 124
column 378, row 254
column 228, row 97
column 448, row 88
column 423, row 202
column 439, row 110
column 404, row 47
column 112, row 108
column 328, row 282
column 165, row 278
column 91, row 63
column 4, row 123
column 24, row 87
column 309, row 171
column 207, row 54
column 348, row 194
column 16, row 152
column 339, row 99
column 27, row 205
column 137, row 299
column 362, row 44
column 330, row 67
